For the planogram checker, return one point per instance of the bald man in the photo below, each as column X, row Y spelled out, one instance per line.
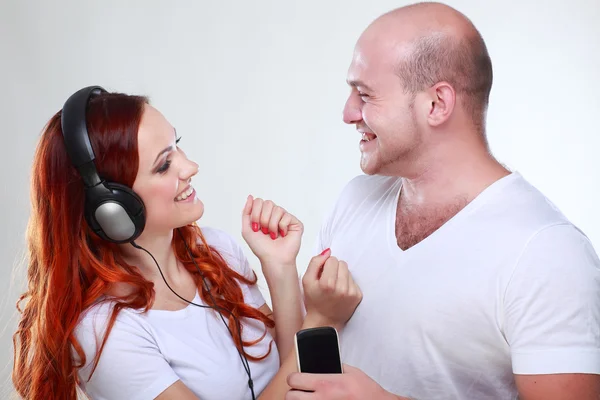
column 475, row 286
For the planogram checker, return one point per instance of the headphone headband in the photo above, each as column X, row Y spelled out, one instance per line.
column 75, row 133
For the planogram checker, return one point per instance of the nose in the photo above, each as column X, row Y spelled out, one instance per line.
column 188, row 170
column 352, row 109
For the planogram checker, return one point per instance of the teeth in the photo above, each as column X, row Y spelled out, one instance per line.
column 367, row 137
column 185, row 194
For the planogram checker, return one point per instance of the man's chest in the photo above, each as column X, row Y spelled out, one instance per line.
column 440, row 289
column 415, row 224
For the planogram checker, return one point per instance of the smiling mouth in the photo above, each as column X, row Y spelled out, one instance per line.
column 367, row 137
column 185, row 194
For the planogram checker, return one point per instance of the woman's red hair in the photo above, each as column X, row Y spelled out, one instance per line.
column 70, row 268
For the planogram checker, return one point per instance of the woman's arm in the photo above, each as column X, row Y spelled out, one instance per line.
column 284, row 287
column 274, row 236
column 177, row 391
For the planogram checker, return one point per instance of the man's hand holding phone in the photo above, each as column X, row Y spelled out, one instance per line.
column 353, row 384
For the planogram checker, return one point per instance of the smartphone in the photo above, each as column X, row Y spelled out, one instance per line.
column 318, row 351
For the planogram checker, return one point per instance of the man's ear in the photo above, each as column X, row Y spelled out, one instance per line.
column 441, row 99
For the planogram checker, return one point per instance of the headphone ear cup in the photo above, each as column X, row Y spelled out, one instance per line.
column 115, row 212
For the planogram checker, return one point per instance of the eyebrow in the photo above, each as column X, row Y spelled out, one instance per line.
column 165, row 150
column 357, row 83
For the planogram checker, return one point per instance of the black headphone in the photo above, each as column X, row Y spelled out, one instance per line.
column 113, row 211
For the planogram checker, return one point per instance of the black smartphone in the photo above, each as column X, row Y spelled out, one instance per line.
column 318, row 351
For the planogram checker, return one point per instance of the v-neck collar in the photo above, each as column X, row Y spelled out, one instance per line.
column 480, row 199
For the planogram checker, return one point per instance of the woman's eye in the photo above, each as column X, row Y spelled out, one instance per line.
column 163, row 168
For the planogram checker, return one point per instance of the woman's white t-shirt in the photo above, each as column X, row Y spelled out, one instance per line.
column 145, row 353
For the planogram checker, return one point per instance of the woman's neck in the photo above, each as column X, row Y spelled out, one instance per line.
column 150, row 250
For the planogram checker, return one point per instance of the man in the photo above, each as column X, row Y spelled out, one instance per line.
column 474, row 285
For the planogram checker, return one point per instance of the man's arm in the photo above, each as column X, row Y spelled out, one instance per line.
column 558, row 387
column 552, row 317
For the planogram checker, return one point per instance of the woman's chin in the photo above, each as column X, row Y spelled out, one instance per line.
column 196, row 214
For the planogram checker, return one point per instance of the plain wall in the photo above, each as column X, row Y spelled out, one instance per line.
column 256, row 90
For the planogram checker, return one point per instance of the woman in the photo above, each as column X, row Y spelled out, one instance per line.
column 128, row 298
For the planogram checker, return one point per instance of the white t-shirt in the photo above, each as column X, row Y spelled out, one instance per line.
column 506, row 286
column 147, row 352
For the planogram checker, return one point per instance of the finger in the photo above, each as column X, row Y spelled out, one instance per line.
column 247, row 210
column 328, row 278
column 314, row 266
column 276, row 215
column 303, row 381
column 343, row 279
column 255, row 214
column 285, row 223
column 265, row 216
column 353, row 288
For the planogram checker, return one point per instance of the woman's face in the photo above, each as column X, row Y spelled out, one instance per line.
column 164, row 176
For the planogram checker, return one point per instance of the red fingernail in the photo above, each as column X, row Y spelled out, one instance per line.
column 255, row 227
column 273, row 235
column 325, row 251
column 265, row 230
column 281, row 233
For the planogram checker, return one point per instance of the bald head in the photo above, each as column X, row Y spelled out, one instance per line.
column 430, row 43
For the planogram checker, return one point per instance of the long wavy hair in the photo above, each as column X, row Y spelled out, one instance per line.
column 70, row 268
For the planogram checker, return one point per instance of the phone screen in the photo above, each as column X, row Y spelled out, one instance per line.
column 318, row 351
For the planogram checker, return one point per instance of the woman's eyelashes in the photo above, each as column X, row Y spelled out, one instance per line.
column 163, row 168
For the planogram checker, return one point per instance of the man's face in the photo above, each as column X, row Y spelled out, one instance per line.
column 379, row 108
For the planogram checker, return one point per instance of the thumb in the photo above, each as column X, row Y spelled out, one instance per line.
column 314, row 267
column 247, row 210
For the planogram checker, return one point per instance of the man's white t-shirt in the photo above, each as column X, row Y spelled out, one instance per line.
column 508, row 285
column 147, row 352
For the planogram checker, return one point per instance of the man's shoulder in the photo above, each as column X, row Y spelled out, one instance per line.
column 526, row 205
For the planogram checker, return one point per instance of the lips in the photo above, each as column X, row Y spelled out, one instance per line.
column 185, row 194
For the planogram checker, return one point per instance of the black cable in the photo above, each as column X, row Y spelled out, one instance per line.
column 214, row 307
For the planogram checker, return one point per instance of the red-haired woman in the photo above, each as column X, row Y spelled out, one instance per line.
column 127, row 297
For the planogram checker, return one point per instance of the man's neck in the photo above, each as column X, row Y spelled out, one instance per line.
column 432, row 196
column 451, row 174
